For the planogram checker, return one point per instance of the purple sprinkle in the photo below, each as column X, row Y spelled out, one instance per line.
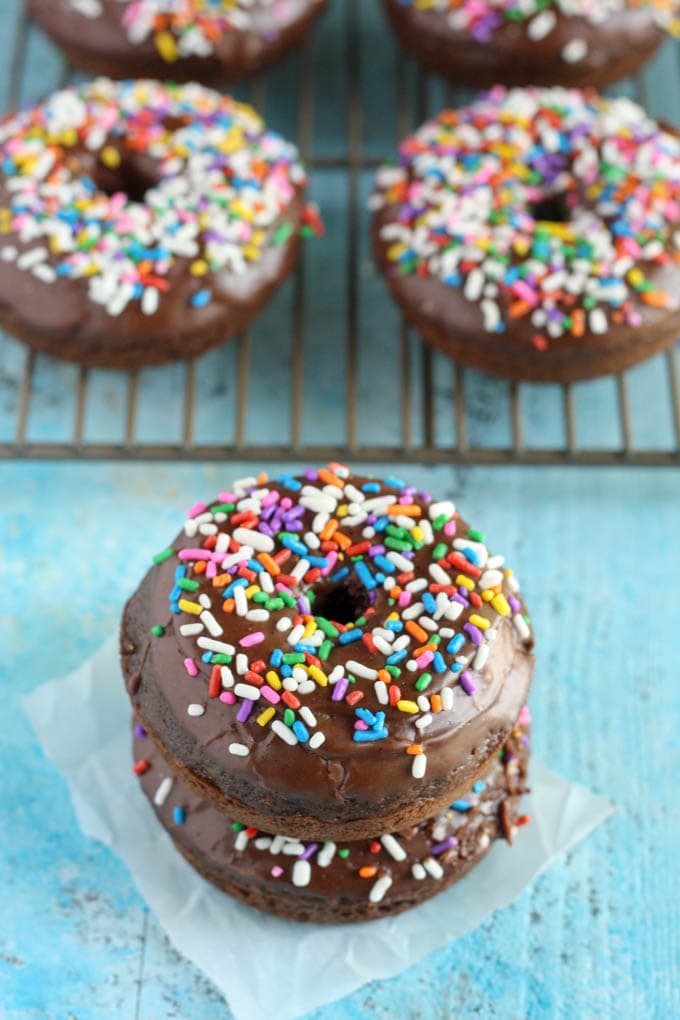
column 140, row 731
column 303, row 605
column 340, row 689
column 466, row 682
column 515, row 604
column 474, row 633
column 245, row 709
column 377, row 550
column 266, row 529
column 308, row 851
column 310, row 474
column 439, row 848
column 459, row 598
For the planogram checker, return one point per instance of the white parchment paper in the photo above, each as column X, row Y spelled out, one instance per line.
column 83, row 723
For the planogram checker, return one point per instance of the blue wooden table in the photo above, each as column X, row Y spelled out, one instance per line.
column 599, row 558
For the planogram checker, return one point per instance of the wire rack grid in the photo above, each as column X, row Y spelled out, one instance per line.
column 329, row 369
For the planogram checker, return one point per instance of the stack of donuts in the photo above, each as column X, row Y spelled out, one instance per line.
column 329, row 676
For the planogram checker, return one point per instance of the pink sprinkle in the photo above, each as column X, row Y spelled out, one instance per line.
column 270, row 694
column 360, row 725
column 227, row 497
column 286, row 502
column 211, row 569
column 228, row 697
column 252, row 639
column 405, row 599
column 194, row 554
column 270, row 498
column 525, row 716
column 277, row 871
column 450, row 528
column 332, row 558
column 191, row 667
column 280, row 586
column 424, row 659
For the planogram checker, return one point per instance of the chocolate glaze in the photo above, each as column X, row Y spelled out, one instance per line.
column 616, row 48
column 448, row 321
column 101, row 45
column 341, row 788
column 337, row 892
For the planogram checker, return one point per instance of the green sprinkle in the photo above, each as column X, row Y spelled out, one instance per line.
column 393, row 671
column 282, row 234
column 289, row 717
column 187, row 584
column 274, row 604
column 475, row 535
column 222, row 508
column 220, row 659
column 344, row 853
column 439, row 522
column 439, row 551
column 162, row 556
column 397, row 545
column 260, row 596
column 423, row 681
column 293, row 658
column 158, row 631
column 325, row 649
column 237, row 826
column 326, row 626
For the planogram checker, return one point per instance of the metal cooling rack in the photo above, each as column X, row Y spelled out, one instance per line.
column 329, row 369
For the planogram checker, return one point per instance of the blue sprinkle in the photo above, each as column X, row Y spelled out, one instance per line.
column 455, row 644
column 365, row 575
column 350, row 635
column 301, row 731
column 367, row 716
column 317, row 561
column 174, row 607
column 384, row 564
column 396, row 657
column 428, row 601
column 297, row 547
column 276, row 657
column 201, row 298
column 471, row 555
column 176, row 594
column 370, row 487
column 178, row 815
column 207, row 657
column 395, row 483
column 339, row 574
column 363, row 736
column 286, row 670
column 461, row 805
column 381, row 523
column 180, row 571
column 289, row 482
column 479, row 786
column 396, row 625
column 438, row 663
column 240, row 582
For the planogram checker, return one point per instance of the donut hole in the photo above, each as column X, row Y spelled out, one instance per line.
column 343, row 602
column 552, row 208
column 127, row 177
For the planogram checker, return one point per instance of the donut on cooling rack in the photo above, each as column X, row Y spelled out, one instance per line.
column 535, row 233
column 141, row 222
column 186, row 40
column 337, row 881
column 531, row 42
column 327, row 656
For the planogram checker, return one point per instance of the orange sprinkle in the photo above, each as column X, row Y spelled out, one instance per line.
column 329, row 530
column 436, row 703
column 656, row 298
column 519, row 308
column 384, row 676
column 329, row 478
column 221, row 580
column 199, row 567
column 424, row 648
column 414, row 749
column 368, row 871
column 578, row 322
column 270, row 565
column 411, row 510
column 228, row 605
column 416, row 631
column 343, row 540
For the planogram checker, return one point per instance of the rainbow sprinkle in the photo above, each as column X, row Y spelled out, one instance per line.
column 224, row 184
column 551, row 206
column 327, row 590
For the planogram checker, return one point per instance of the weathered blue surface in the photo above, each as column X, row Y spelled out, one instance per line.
column 599, row 557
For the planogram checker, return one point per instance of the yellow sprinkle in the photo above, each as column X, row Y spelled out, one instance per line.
column 407, row 706
column 190, row 607
column 318, row 675
column 68, row 137
column 166, row 46
column 466, row 582
column 309, row 630
column 251, row 590
column 488, row 594
column 636, row 276
column 264, row 717
column 110, row 157
column 341, row 511
column 393, row 616
column 479, row 621
column 198, row 268
column 500, row 604
column 273, row 680
column 418, row 534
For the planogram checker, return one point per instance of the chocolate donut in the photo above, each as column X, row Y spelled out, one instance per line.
column 185, row 40
column 327, row 656
column 329, row 882
column 142, row 222
column 579, row 43
column 534, row 233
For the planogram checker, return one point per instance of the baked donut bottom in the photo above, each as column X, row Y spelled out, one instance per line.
column 346, row 881
column 306, row 809
column 100, row 45
column 615, row 49
column 449, row 322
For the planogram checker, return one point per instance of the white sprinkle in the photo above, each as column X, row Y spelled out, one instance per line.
column 246, row 536
column 411, row 612
column 317, row 739
column 189, row 629
column 302, row 873
column 542, row 25
column 263, row 843
column 293, row 848
column 393, row 847
column 433, row 867
column 248, row 691
column 575, row 51
column 215, row 646
column 380, row 688
column 227, row 677
column 521, row 626
column 205, row 601
column 285, row 732
column 423, row 703
column 437, row 509
column 447, row 698
column 439, row 574
column 195, row 709
column 240, row 750
column 326, row 854
column 597, row 321
column 240, row 601
column 423, row 721
column 419, row 766
column 300, row 569
column 8, row 253
column 161, row 794
column 296, row 634
column 277, row 844
column 31, row 258
column 380, row 888
column 418, row 871
column 481, row 656
column 365, row 672
column 400, row 562
column 211, row 623
column 150, row 299
column 244, row 553
column 257, row 615
column 241, row 841
column 454, row 610
column 312, row 540
column 241, row 663
column 283, row 624
column 307, row 715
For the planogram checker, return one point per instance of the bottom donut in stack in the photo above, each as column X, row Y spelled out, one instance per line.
column 330, row 882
